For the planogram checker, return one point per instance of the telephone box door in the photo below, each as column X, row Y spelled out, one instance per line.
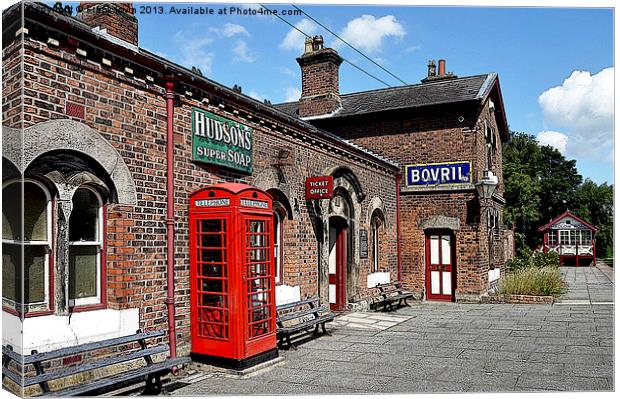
column 210, row 285
column 259, row 283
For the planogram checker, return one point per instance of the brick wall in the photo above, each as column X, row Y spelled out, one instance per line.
column 116, row 18
column 435, row 135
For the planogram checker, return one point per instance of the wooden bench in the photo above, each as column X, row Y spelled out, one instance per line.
column 301, row 316
column 391, row 293
column 150, row 372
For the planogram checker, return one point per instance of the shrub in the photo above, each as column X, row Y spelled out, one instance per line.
column 531, row 280
column 537, row 260
column 549, row 259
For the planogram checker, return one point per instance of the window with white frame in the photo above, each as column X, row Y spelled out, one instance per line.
column 85, row 247
column 564, row 237
column 278, row 228
column 552, row 238
column 26, row 280
column 586, row 237
column 375, row 227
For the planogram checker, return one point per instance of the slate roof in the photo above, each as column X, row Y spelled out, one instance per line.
column 446, row 91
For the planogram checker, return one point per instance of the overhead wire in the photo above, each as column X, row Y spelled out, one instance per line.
column 349, row 44
column 344, row 59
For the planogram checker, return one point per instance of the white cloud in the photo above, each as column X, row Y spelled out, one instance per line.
column 556, row 140
column 195, row 52
column 242, row 53
column 584, row 106
column 294, row 40
column 230, row 30
column 292, row 94
column 367, row 32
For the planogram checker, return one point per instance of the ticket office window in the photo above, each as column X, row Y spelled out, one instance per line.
column 212, row 275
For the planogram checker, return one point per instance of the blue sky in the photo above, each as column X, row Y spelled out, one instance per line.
column 533, row 50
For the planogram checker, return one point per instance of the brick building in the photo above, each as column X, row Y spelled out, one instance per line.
column 436, row 129
column 111, row 141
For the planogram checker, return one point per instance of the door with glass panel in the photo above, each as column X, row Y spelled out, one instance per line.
column 440, row 270
column 258, row 281
column 209, row 284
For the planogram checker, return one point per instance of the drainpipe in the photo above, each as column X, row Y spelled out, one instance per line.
column 170, row 214
column 398, row 177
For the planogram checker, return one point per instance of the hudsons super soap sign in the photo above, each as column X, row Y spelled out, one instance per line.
column 221, row 141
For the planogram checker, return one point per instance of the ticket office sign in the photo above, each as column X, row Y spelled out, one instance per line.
column 447, row 174
column 221, row 141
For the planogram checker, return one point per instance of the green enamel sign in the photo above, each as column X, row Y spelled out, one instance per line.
column 221, row 141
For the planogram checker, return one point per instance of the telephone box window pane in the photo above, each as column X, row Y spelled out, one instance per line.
column 12, row 212
column 211, row 226
column 212, row 270
column 83, row 220
column 212, row 285
column 259, row 329
column 211, row 255
column 83, row 271
column 34, row 275
column 212, row 300
column 213, row 240
column 11, row 272
column 259, row 284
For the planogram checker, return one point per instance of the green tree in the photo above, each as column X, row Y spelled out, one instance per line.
column 540, row 184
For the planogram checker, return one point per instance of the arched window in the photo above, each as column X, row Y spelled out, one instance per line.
column 375, row 225
column 85, row 248
column 34, row 238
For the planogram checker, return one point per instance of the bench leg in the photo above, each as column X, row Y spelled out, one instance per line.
column 316, row 330
column 290, row 344
column 325, row 330
column 153, row 385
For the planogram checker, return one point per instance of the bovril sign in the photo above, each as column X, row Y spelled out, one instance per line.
column 221, row 141
column 438, row 174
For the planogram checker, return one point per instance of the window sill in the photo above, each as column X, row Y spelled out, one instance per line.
column 87, row 308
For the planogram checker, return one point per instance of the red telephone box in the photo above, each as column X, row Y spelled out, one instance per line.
column 232, row 275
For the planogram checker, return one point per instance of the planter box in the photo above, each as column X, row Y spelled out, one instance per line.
column 526, row 299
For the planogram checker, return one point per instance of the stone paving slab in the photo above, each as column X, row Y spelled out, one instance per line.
column 444, row 348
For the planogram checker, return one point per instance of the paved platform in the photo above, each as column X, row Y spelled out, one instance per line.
column 444, row 348
column 588, row 285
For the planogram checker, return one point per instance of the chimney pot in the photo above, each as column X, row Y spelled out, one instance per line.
column 442, row 67
column 432, row 69
column 308, row 45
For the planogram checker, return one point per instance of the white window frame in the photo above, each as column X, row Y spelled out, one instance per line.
column 277, row 246
column 45, row 304
column 561, row 233
column 93, row 300
column 375, row 244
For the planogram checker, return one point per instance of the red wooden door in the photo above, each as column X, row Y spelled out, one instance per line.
column 440, row 274
column 338, row 267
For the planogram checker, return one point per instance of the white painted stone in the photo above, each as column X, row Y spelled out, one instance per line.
column 377, row 278
column 287, row 294
column 47, row 333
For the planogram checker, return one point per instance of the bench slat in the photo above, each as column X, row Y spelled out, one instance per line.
column 99, row 364
column 303, row 326
column 12, row 376
column 138, row 374
column 91, row 346
column 301, row 313
column 294, row 304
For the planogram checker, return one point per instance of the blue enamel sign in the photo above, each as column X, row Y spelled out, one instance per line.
column 438, row 174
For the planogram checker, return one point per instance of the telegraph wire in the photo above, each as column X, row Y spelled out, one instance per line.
column 306, row 35
column 350, row 45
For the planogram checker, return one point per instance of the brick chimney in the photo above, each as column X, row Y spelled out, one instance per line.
column 433, row 75
column 117, row 19
column 320, row 93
